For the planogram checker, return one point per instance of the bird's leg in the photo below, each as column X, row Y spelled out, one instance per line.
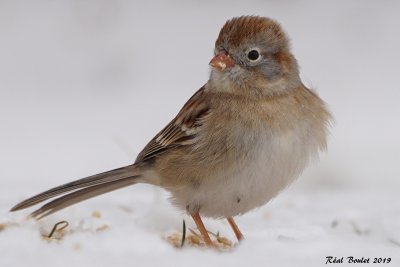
column 197, row 219
column 235, row 229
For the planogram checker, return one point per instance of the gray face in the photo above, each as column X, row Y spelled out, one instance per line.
column 257, row 56
column 252, row 62
column 263, row 61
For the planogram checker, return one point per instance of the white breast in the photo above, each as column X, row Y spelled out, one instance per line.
column 270, row 163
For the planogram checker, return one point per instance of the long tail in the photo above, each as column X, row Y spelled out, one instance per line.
column 82, row 189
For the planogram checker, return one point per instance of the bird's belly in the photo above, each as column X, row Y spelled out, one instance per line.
column 256, row 176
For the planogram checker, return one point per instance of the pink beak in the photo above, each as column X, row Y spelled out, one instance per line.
column 222, row 61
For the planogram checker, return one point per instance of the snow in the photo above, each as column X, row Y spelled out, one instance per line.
column 85, row 84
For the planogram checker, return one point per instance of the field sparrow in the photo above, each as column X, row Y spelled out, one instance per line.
column 238, row 141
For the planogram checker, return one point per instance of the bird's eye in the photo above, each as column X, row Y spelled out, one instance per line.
column 253, row 55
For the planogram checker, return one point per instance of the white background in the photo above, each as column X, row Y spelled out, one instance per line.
column 85, row 84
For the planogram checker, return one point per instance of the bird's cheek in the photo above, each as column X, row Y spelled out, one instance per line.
column 272, row 70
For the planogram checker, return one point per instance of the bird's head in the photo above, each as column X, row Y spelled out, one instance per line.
column 252, row 53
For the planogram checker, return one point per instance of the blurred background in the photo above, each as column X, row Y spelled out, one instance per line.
column 84, row 85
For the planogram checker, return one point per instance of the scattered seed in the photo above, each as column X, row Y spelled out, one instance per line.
column 102, row 228
column 96, row 214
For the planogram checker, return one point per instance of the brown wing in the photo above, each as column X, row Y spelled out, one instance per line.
column 181, row 130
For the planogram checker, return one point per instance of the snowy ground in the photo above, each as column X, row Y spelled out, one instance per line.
column 85, row 84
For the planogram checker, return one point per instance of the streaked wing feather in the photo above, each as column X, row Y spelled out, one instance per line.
column 181, row 130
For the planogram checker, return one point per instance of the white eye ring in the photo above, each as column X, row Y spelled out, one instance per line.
column 253, row 54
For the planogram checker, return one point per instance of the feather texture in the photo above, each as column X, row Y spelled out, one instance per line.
column 181, row 130
column 98, row 181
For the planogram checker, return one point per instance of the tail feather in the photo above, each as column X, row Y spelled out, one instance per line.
column 102, row 179
column 81, row 195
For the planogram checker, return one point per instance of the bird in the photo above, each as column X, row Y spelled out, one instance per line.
column 242, row 138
